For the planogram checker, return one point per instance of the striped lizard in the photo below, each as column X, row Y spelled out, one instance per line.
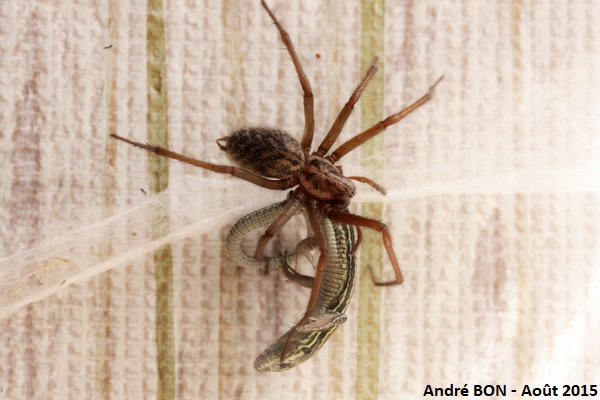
column 303, row 341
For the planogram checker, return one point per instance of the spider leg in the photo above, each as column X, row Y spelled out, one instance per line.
column 294, row 276
column 305, row 247
column 369, row 182
column 359, row 139
column 286, row 213
column 314, row 216
column 379, row 226
column 358, row 240
column 341, row 119
column 364, row 179
column 309, row 115
column 274, row 184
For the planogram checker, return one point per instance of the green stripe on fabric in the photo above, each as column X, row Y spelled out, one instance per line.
column 372, row 45
column 158, row 170
column 106, row 347
column 231, row 281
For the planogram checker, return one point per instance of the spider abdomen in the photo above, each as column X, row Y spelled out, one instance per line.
column 269, row 152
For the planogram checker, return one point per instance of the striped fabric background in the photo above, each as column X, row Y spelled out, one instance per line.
column 114, row 283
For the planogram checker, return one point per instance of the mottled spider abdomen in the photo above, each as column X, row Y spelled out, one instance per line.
column 269, row 152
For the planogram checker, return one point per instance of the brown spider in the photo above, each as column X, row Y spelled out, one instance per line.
column 275, row 160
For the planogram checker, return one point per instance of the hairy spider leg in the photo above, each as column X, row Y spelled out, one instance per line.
column 369, row 182
column 286, row 213
column 364, row 179
column 359, row 139
column 294, row 276
column 273, row 184
column 358, row 240
column 379, row 226
column 309, row 114
column 314, row 216
column 342, row 117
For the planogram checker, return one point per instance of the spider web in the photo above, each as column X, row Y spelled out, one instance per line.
column 72, row 253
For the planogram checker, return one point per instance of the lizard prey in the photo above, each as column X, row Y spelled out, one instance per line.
column 303, row 341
